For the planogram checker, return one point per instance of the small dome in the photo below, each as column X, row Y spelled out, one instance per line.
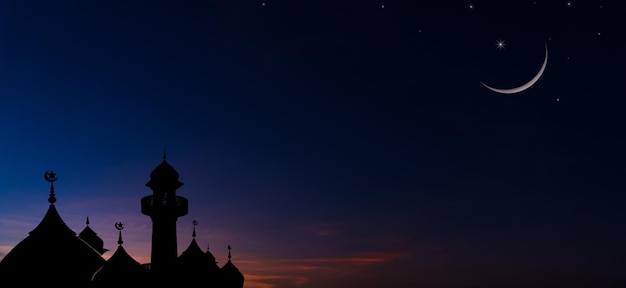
column 120, row 269
column 193, row 253
column 230, row 276
column 196, row 266
column 90, row 236
column 193, row 258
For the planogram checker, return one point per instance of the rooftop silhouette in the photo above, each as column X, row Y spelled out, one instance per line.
column 83, row 265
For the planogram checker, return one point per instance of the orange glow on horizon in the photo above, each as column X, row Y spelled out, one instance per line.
column 280, row 272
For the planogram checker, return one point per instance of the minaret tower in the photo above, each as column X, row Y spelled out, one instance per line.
column 164, row 208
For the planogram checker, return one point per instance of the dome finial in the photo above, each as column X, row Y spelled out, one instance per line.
column 119, row 226
column 194, row 222
column 50, row 176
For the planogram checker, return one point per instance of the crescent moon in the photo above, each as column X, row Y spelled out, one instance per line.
column 525, row 86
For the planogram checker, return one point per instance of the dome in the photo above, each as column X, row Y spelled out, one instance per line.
column 120, row 270
column 230, row 276
column 193, row 254
column 164, row 176
column 53, row 253
column 90, row 236
column 196, row 266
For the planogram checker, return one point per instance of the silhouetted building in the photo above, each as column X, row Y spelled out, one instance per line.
column 230, row 276
column 121, row 269
column 164, row 207
column 90, row 236
column 196, row 266
column 53, row 254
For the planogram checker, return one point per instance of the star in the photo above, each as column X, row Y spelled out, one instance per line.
column 568, row 4
column 558, row 99
column 500, row 44
column 382, row 6
column 470, row 6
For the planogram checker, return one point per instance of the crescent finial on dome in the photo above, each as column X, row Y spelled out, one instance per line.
column 50, row 176
column 119, row 226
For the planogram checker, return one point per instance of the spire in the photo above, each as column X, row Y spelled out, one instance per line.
column 194, row 222
column 119, row 226
column 50, row 176
column 164, row 155
column 228, row 252
column 87, row 222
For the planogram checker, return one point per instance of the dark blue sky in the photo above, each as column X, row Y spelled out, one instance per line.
column 327, row 140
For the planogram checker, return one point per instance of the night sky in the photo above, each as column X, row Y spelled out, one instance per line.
column 331, row 143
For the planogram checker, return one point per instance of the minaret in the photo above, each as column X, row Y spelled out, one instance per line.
column 164, row 208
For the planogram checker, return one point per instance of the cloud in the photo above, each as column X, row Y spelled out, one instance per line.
column 301, row 272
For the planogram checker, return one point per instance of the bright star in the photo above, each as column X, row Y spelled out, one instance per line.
column 500, row 44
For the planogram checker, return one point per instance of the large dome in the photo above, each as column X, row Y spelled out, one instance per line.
column 51, row 254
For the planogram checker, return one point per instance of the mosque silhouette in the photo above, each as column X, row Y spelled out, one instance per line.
column 52, row 254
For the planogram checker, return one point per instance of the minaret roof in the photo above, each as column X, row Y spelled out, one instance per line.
column 164, row 175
